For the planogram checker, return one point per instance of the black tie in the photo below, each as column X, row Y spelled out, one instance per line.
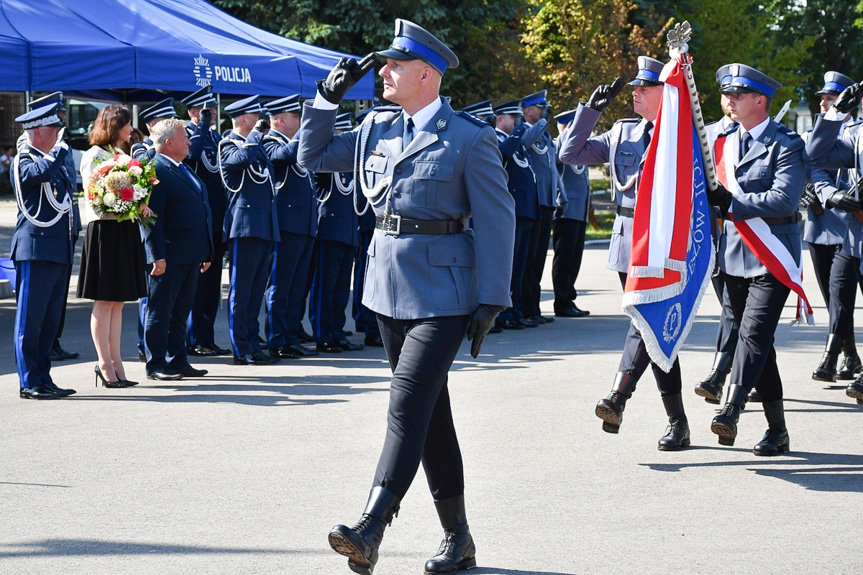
column 745, row 141
column 409, row 133
column 646, row 138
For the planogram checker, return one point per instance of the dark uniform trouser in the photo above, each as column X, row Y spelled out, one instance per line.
column 822, row 261
column 524, row 228
column 169, row 301
column 419, row 420
column 635, row 360
column 250, row 264
column 537, row 253
column 207, row 298
column 726, row 337
column 286, row 293
column 844, row 279
column 757, row 306
column 65, row 297
column 331, row 288
column 568, row 241
column 364, row 318
column 39, row 297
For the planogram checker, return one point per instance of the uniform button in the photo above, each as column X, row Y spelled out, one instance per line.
column 454, row 260
column 398, row 171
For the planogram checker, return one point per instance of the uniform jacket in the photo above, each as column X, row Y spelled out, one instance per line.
column 576, row 185
column 54, row 243
column 542, row 158
column 623, row 147
column 771, row 176
column 296, row 204
column 204, row 161
column 452, row 170
column 72, row 170
column 182, row 233
column 337, row 220
column 143, row 150
column 521, row 180
column 247, row 174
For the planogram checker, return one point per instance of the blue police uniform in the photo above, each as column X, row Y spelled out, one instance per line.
column 42, row 249
column 181, row 236
column 251, row 228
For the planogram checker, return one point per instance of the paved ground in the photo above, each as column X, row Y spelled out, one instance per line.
column 245, row 471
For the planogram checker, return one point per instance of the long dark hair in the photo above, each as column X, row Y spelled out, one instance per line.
column 109, row 121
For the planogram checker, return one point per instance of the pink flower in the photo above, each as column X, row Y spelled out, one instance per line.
column 133, row 162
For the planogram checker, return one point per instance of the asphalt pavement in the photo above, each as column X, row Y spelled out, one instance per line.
column 245, row 471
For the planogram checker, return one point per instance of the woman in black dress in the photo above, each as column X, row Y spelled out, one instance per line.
column 112, row 259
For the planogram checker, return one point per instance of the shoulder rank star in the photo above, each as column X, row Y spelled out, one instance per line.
column 441, row 124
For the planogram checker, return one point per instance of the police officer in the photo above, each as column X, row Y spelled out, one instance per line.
column 569, row 227
column 551, row 195
column 430, row 279
column 338, row 238
column 521, row 181
column 623, row 147
column 203, row 160
column 726, row 336
column 826, row 150
column 57, row 351
column 297, row 209
column 831, row 213
column 42, row 247
column 251, row 225
column 764, row 167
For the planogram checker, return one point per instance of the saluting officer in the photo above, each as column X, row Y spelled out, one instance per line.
column 826, row 150
column 42, row 247
column 204, row 161
column 624, row 147
column 430, row 278
column 298, row 226
column 151, row 116
column 831, row 213
column 569, row 226
column 251, row 225
column 764, row 168
column 551, row 196
column 338, row 237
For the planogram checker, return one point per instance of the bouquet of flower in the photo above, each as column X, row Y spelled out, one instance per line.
column 122, row 185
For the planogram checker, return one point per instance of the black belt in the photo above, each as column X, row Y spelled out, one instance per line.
column 625, row 212
column 394, row 225
column 786, row 220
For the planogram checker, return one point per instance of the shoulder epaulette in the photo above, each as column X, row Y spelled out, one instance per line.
column 628, row 121
column 472, row 119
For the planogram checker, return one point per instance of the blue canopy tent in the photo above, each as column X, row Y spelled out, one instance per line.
column 139, row 50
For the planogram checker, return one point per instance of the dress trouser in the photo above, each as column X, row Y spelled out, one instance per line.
column 822, row 261
column 39, row 298
column 66, row 297
column 250, row 265
column 524, row 228
column 286, row 292
column 169, row 300
column 364, row 318
column 331, row 289
column 635, row 360
column 537, row 254
column 568, row 242
column 207, row 298
column 726, row 336
column 844, row 279
column 757, row 306
column 419, row 419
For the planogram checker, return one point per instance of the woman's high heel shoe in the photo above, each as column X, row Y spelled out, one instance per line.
column 128, row 383
column 112, row 384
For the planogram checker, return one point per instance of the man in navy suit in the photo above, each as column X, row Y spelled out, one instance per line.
column 179, row 247
column 42, row 247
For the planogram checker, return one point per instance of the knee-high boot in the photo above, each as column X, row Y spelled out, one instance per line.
column 360, row 543
column 826, row 370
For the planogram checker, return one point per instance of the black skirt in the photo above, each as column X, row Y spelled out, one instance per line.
column 112, row 262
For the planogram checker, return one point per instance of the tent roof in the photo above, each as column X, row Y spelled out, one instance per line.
column 129, row 49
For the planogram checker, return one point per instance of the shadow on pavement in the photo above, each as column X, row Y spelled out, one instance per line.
column 91, row 547
column 495, row 571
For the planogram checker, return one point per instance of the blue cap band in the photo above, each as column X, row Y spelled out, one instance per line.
column 833, row 86
column 754, row 84
column 421, row 50
column 646, row 74
column 533, row 102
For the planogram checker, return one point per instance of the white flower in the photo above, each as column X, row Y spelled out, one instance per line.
column 109, row 199
column 135, row 171
column 97, row 201
column 140, row 193
column 123, row 160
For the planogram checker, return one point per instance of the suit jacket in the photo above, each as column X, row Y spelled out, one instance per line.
column 204, row 161
column 182, row 233
column 54, row 243
column 623, row 147
column 577, row 187
column 251, row 207
column 543, row 159
column 296, row 203
column 452, row 170
column 337, row 220
column 521, row 180
column 771, row 177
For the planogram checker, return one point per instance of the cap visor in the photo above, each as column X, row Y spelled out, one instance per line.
column 736, row 90
column 394, row 54
column 642, row 82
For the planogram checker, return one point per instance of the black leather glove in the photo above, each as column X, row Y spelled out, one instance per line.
column 720, row 197
column 480, row 322
column 841, row 200
column 602, row 96
column 343, row 76
column 255, row 136
column 810, row 200
column 848, row 99
column 558, row 211
column 262, row 125
column 206, row 116
column 519, row 130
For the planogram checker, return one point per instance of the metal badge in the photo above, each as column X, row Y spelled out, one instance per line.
column 441, row 124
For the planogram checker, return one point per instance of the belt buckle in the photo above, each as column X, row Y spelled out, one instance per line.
column 388, row 221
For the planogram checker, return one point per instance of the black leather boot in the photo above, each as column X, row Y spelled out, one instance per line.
column 711, row 388
column 677, row 433
column 775, row 440
column 360, row 543
column 851, row 363
column 457, row 550
column 855, row 389
column 610, row 409
column 725, row 424
column 826, row 370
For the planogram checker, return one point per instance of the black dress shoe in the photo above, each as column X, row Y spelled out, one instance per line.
column 283, row 352
column 495, row 329
column 201, row 350
column 303, row 337
column 60, row 392
column 374, row 341
column 528, row 322
column 261, row 359
column 60, row 354
column 303, row 351
column 165, row 374
column 510, row 324
column 189, row 371
column 329, row 347
column 36, row 393
column 348, row 346
column 544, row 318
column 571, row 311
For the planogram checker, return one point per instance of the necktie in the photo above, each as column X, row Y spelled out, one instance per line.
column 409, row 133
column 190, row 176
column 745, row 142
column 646, row 138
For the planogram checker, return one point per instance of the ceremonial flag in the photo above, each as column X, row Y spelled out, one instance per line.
column 672, row 250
